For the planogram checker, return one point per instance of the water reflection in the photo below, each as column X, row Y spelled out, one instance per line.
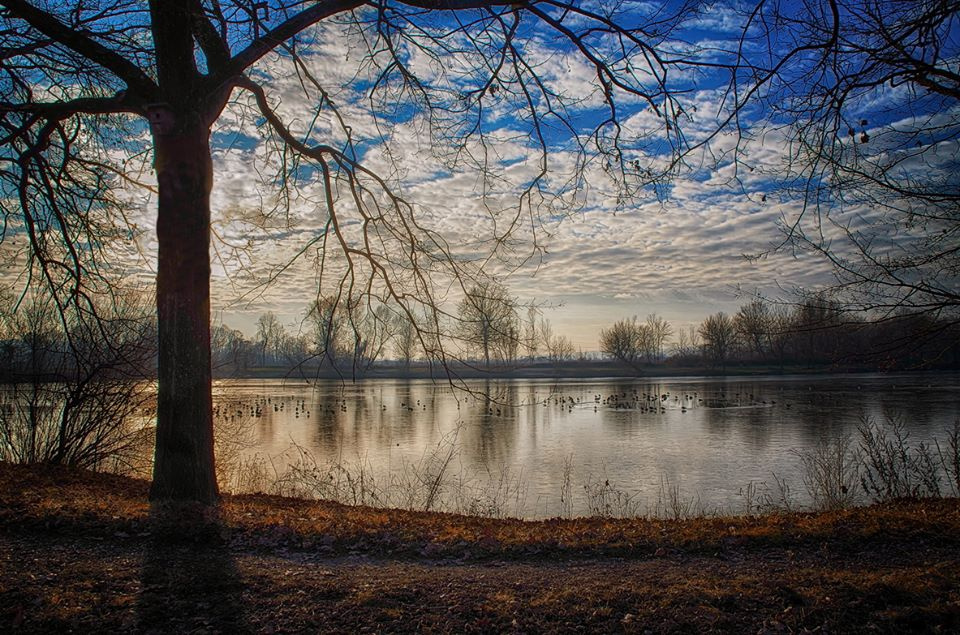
column 711, row 437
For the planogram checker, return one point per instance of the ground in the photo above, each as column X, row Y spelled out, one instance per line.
column 85, row 552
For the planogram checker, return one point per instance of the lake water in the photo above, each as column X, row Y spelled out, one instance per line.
column 542, row 448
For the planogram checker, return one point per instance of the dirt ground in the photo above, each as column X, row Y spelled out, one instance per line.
column 85, row 553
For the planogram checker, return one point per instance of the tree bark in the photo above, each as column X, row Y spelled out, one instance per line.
column 184, row 463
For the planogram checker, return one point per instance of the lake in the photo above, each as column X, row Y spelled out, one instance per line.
column 543, row 448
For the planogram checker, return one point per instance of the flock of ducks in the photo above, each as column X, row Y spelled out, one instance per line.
column 636, row 400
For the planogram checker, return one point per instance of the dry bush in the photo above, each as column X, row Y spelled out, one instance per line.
column 830, row 473
column 76, row 392
column 891, row 468
column 672, row 504
column 950, row 457
column 608, row 501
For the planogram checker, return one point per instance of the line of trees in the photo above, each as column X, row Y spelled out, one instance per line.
column 816, row 332
column 334, row 334
column 634, row 342
column 348, row 338
column 490, row 329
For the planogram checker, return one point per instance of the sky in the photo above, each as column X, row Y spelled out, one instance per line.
column 682, row 256
column 586, row 256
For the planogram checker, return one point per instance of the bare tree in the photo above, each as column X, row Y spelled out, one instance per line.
column 719, row 337
column 561, row 349
column 348, row 335
column 688, row 342
column 558, row 348
column 864, row 96
column 531, row 332
column 624, row 341
column 488, row 322
column 270, row 336
column 81, row 81
column 543, row 334
column 816, row 324
column 230, row 350
column 781, row 332
column 659, row 331
column 405, row 343
column 327, row 330
column 754, row 324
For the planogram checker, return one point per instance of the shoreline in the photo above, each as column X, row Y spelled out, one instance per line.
column 585, row 372
column 80, row 551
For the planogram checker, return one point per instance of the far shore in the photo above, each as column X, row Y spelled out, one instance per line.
column 536, row 369
column 588, row 369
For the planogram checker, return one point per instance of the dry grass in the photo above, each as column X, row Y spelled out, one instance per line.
column 79, row 551
column 45, row 495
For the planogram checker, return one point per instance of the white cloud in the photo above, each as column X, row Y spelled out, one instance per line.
column 683, row 259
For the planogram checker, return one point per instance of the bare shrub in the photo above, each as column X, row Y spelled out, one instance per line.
column 780, row 496
column 566, row 487
column 77, row 386
column 421, row 484
column 672, row 504
column 891, row 468
column 831, row 472
column 950, row 457
column 608, row 501
column 752, row 495
column 491, row 493
column 426, row 484
column 238, row 470
column 350, row 484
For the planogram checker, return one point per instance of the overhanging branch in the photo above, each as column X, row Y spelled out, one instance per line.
column 131, row 74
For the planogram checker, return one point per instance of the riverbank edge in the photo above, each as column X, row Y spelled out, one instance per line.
column 568, row 371
column 53, row 497
column 48, row 511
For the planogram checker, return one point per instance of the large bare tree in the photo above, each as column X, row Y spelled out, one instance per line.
column 89, row 87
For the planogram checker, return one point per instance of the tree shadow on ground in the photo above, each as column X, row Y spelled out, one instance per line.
column 189, row 580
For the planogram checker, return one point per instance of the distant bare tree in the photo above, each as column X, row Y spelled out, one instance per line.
column 718, row 333
column 659, row 332
column 754, row 324
column 327, row 329
column 488, row 322
column 558, row 348
column 561, row 349
column 230, row 350
column 544, row 334
column 270, row 336
column 624, row 341
column 531, row 332
column 782, row 327
column 688, row 343
column 816, row 324
column 405, row 341
column 348, row 335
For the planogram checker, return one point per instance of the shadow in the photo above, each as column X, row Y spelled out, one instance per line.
column 189, row 581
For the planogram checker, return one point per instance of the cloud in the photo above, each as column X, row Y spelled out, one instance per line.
column 683, row 258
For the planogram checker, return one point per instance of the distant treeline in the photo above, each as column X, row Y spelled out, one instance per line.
column 814, row 334
column 487, row 336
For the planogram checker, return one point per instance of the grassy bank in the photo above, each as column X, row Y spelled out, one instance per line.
column 79, row 551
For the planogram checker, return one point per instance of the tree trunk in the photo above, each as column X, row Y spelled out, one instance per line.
column 184, row 463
